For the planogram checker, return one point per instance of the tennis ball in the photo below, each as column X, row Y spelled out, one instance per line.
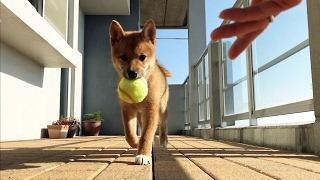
column 133, row 91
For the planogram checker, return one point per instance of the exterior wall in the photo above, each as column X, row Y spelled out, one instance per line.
column 29, row 96
column 100, row 78
column 302, row 138
column 30, row 92
column 175, row 109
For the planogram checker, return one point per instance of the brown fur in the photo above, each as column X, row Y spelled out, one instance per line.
column 153, row 109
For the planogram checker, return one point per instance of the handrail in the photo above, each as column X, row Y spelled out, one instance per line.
column 202, row 55
column 295, row 107
column 283, row 56
column 185, row 81
column 238, row 3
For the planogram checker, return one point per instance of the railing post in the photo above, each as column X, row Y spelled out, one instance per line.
column 227, row 94
column 250, row 82
column 214, row 85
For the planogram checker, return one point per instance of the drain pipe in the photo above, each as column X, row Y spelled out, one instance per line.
column 64, row 92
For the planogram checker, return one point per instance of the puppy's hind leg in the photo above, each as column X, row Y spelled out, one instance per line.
column 163, row 131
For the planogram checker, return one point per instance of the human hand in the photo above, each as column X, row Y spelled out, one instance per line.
column 249, row 22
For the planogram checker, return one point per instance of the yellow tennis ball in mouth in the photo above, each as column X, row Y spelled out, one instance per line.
column 133, row 91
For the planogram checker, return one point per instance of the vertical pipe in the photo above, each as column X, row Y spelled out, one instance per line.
column 64, row 92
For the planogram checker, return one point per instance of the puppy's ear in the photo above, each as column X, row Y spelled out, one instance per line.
column 116, row 32
column 149, row 31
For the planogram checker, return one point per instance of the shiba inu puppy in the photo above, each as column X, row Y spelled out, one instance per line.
column 133, row 56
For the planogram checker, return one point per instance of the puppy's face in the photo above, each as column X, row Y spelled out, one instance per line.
column 133, row 53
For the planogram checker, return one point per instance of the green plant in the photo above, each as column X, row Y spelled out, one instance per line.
column 71, row 121
column 95, row 116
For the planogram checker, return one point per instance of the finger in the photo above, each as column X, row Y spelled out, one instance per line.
column 253, row 14
column 238, row 29
column 241, row 43
column 254, row 2
column 258, row 11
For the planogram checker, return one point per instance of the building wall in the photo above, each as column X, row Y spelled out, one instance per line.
column 29, row 96
column 175, row 109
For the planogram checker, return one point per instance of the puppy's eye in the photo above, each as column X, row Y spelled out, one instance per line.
column 142, row 57
column 123, row 57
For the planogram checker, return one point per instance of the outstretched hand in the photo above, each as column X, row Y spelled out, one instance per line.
column 249, row 22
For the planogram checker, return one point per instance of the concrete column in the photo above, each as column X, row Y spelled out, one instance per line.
column 313, row 9
column 75, row 73
column 196, row 46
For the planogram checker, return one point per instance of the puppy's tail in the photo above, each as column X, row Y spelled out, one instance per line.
column 164, row 70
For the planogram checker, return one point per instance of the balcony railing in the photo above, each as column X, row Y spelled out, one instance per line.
column 214, row 61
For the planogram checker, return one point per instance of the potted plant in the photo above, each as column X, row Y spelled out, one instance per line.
column 74, row 126
column 64, row 127
column 91, row 124
column 58, row 129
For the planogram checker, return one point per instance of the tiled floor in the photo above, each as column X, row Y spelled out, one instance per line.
column 109, row 157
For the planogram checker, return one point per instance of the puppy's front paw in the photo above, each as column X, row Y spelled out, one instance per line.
column 142, row 160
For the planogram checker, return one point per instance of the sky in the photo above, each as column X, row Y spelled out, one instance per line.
column 173, row 53
column 286, row 82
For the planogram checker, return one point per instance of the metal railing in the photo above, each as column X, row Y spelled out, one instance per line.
column 204, row 80
column 186, row 104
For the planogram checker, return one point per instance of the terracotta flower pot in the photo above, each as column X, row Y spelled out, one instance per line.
column 91, row 128
column 57, row 131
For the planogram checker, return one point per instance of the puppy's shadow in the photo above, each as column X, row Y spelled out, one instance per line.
column 124, row 162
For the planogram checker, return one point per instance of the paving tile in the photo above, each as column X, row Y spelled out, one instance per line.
column 313, row 166
column 74, row 170
column 124, row 168
column 274, row 169
column 109, row 157
column 26, row 170
column 220, row 168
column 171, row 164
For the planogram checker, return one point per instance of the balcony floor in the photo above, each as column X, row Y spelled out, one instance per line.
column 109, row 157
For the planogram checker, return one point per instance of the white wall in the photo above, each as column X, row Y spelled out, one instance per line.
column 29, row 96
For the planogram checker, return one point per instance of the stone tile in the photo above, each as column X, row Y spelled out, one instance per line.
column 274, row 169
column 313, row 166
column 26, row 170
column 220, row 168
column 124, row 168
column 74, row 170
column 109, row 157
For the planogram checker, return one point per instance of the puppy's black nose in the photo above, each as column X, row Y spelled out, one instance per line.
column 132, row 74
